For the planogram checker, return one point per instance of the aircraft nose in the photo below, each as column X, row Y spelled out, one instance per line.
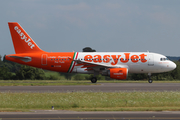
column 172, row 66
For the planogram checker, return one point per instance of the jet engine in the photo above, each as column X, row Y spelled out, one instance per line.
column 116, row 73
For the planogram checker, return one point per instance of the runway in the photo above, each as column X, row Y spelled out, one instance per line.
column 71, row 115
column 96, row 115
column 101, row 87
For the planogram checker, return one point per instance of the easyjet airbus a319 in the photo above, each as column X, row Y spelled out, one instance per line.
column 116, row 65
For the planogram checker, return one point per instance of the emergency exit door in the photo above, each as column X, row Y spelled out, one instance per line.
column 150, row 60
column 44, row 59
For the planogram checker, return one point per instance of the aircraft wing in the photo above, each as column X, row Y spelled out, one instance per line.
column 91, row 65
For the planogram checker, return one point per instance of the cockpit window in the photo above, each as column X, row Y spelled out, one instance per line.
column 164, row 59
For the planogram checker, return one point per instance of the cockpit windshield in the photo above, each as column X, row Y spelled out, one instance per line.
column 163, row 59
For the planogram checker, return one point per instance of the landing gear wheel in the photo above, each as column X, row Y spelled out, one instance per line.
column 93, row 79
column 150, row 81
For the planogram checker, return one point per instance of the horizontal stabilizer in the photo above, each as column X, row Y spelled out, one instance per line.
column 25, row 59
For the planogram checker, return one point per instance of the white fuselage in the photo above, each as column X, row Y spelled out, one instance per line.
column 135, row 62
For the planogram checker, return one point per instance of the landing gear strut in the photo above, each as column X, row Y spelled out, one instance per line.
column 150, row 80
column 93, row 79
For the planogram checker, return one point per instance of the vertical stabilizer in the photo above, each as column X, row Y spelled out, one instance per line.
column 21, row 40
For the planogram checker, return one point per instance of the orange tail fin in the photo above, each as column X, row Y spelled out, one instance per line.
column 21, row 40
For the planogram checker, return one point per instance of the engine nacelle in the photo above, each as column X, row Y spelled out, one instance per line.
column 116, row 73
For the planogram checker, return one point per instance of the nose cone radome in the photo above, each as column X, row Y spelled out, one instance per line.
column 172, row 66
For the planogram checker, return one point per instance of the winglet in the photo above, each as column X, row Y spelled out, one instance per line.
column 21, row 40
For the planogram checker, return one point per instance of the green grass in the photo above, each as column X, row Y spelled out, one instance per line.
column 42, row 83
column 92, row 101
column 67, row 82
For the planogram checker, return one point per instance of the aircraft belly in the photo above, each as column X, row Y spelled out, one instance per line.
column 137, row 68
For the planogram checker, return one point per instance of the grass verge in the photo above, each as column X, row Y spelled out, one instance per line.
column 42, row 82
column 90, row 101
column 67, row 82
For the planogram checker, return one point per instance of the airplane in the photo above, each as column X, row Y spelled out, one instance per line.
column 116, row 65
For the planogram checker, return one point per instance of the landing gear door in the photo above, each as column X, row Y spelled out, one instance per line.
column 44, row 59
column 150, row 60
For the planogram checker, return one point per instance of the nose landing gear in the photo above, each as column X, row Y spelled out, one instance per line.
column 150, row 80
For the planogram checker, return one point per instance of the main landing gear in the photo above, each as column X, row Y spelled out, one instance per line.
column 150, row 80
column 93, row 79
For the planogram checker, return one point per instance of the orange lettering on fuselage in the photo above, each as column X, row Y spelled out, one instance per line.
column 106, row 58
column 97, row 58
column 126, row 58
column 115, row 58
column 88, row 58
column 143, row 58
column 134, row 58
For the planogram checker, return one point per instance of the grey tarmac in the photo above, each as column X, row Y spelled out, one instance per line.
column 101, row 87
column 72, row 115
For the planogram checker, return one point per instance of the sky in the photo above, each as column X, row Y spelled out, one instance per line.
column 103, row 25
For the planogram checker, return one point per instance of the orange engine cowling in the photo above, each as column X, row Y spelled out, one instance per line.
column 118, row 73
